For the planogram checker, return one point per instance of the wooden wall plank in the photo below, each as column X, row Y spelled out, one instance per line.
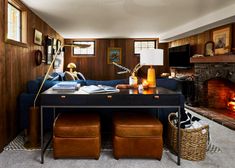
column 97, row 68
column 2, row 77
column 17, row 66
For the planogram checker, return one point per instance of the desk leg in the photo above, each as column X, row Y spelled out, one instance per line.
column 178, row 137
column 42, row 138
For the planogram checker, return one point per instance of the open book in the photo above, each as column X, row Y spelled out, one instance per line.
column 99, row 89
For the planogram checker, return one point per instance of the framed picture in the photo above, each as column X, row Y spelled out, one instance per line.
column 48, row 50
column 58, row 45
column 114, row 55
column 209, row 49
column 222, row 40
column 37, row 37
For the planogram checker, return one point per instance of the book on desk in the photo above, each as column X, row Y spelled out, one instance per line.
column 94, row 89
column 66, row 86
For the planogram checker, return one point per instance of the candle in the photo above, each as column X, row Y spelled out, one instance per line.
column 145, row 84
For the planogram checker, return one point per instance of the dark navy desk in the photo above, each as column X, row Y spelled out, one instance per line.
column 126, row 98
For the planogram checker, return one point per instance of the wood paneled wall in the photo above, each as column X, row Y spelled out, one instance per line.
column 97, row 67
column 17, row 66
column 2, row 81
column 198, row 41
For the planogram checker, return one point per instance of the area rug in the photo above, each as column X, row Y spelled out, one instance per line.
column 18, row 144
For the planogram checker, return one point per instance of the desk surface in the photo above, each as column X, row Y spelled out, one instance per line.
column 126, row 97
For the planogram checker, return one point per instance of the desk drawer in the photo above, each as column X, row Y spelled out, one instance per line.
column 62, row 100
column 110, row 100
column 134, row 100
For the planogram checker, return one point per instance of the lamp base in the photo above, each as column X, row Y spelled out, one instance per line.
column 151, row 77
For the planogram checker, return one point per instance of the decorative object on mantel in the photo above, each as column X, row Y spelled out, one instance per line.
column 38, row 57
column 151, row 57
column 222, row 40
column 197, row 55
column 209, row 48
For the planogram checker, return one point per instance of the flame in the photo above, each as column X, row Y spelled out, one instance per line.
column 231, row 104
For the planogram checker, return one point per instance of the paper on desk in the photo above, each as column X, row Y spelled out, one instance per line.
column 99, row 89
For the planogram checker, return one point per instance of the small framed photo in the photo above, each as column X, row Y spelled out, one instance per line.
column 114, row 55
column 222, row 40
column 37, row 37
column 209, row 48
column 58, row 45
column 48, row 50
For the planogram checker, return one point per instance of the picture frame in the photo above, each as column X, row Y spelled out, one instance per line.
column 222, row 40
column 58, row 45
column 114, row 55
column 49, row 52
column 209, row 48
column 37, row 37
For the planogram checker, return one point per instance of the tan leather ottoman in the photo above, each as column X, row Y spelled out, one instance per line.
column 76, row 135
column 137, row 135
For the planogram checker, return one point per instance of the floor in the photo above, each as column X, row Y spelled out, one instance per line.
column 15, row 158
column 223, row 117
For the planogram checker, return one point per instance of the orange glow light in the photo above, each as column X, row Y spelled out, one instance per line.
column 145, row 83
column 231, row 104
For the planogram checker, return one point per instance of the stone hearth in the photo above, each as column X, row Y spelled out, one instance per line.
column 223, row 117
column 214, row 84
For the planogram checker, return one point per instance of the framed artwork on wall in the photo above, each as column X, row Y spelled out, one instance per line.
column 114, row 55
column 58, row 45
column 48, row 50
column 222, row 40
column 37, row 37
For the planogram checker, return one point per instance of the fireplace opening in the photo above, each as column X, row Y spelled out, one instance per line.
column 219, row 93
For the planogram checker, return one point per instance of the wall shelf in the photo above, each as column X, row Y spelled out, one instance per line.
column 214, row 59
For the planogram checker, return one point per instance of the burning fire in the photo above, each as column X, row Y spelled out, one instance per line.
column 231, row 104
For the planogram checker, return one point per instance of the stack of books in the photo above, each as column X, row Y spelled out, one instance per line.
column 67, row 86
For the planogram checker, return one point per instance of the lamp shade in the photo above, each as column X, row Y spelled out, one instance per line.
column 71, row 65
column 151, row 57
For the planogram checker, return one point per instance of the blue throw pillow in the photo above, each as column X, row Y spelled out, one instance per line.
column 49, row 84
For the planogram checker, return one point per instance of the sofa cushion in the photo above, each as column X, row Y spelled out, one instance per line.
column 33, row 86
column 48, row 84
column 171, row 84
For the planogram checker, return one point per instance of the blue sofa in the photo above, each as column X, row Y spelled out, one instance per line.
column 26, row 99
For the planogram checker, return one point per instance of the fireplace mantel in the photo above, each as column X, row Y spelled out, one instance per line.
column 213, row 59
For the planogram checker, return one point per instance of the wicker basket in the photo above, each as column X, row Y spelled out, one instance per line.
column 193, row 142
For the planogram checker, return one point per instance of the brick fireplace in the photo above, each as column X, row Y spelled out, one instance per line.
column 214, row 84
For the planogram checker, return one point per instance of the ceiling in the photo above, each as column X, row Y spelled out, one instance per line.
column 166, row 19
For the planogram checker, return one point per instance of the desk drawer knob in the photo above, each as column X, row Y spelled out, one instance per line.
column 63, row 97
column 109, row 96
column 156, row 97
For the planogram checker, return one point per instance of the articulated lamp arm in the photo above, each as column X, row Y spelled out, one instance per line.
column 54, row 58
column 45, row 77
